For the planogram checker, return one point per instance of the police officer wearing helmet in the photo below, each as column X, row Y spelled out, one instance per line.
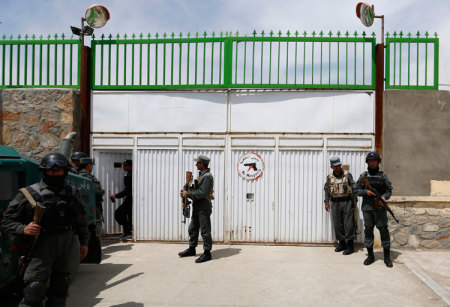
column 86, row 166
column 75, row 158
column 201, row 194
column 340, row 196
column 123, row 214
column 373, row 216
column 62, row 233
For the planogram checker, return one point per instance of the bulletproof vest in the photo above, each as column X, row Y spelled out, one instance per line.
column 211, row 192
column 376, row 181
column 60, row 210
column 339, row 187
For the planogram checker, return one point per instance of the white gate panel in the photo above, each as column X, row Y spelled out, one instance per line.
column 356, row 161
column 157, row 212
column 252, row 218
column 111, row 179
column 217, row 166
column 301, row 217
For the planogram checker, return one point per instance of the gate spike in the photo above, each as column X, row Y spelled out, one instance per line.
column 418, row 34
column 262, row 33
column 141, row 35
column 205, row 34
column 330, row 33
column 296, row 33
column 254, row 33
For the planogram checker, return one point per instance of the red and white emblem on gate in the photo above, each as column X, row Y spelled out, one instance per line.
column 250, row 166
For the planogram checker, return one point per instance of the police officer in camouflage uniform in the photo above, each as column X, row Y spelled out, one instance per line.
column 62, row 233
column 340, row 196
column 123, row 214
column 86, row 166
column 201, row 194
column 375, row 216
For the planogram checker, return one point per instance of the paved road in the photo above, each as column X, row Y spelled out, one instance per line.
column 151, row 274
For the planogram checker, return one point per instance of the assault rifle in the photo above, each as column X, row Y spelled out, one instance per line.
column 355, row 214
column 24, row 260
column 185, row 201
column 379, row 202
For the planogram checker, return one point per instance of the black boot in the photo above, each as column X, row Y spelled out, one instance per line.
column 387, row 258
column 189, row 252
column 340, row 247
column 206, row 256
column 349, row 250
column 370, row 257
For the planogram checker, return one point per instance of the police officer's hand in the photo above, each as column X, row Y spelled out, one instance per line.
column 370, row 193
column 327, row 207
column 83, row 251
column 112, row 196
column 32, row 229
column 183, row 193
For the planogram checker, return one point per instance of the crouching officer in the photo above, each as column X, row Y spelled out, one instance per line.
column 123, row 214
column 201, row 194
column 61, row 236
column 374, row 215
column 339, row 189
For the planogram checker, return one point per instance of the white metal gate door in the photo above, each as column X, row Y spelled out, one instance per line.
column 252, row 204
column 157, row 214
column 301, row 217
column 111, row 179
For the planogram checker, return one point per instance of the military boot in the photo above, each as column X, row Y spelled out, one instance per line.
column 206, row 256
column 349, row 250
column 387, row 257
column 370, row 257
column 188, row 252
column 340, row 247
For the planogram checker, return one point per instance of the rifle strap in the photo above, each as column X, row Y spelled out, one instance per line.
column 28, row 196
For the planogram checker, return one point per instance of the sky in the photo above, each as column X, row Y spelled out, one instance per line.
column 151, row 16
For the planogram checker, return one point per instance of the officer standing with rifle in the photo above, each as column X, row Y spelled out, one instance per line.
column 86, row 166
column 201, row 194
column 62, row 233
column 123, row 214
column 371, row 183
column 340, row 196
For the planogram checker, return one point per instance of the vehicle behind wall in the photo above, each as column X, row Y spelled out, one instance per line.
column 17, row 171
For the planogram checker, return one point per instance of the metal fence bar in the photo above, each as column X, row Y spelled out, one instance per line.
column 395, row 61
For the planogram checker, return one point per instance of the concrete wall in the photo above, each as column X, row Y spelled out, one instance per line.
column 33, row 121
column 416, row 139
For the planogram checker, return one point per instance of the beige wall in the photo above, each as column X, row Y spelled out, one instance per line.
column 416, row 139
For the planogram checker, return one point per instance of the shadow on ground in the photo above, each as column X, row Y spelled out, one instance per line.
column 129, row 304
column 225, row 252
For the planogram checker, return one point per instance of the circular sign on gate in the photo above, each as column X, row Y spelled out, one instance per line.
column 250, row 166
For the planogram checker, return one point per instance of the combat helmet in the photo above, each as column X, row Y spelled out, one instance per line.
column 54, row 160
column 373, row 155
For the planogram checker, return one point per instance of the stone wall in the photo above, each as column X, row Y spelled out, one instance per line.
column 424, row 222
column 33, row 121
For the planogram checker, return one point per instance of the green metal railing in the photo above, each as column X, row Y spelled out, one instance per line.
column 35, row 62
column 343, row 61
column 225, row 60
column 412, row 62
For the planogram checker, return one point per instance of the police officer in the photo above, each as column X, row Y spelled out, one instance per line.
column 75, row 158
column 379, row 181
column 123, row 214
column 201, row 194
column 62, row 233
column 86, row 166
column 339, row 192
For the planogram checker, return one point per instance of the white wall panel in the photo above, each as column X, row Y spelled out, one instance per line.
column 252, row 220
column 112, row 182
column 305, row 111
column 301, row 214
column 159, row 111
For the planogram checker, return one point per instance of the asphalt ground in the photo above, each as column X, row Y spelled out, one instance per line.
column 152, row 274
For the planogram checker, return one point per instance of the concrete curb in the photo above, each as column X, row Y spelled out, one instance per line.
column 433, row 285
